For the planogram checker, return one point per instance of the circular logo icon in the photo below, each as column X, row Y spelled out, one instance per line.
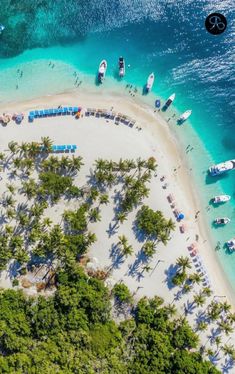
column 216, row 23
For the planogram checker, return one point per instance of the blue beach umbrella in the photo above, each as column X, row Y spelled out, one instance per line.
column 157, row 103
column 181, row 216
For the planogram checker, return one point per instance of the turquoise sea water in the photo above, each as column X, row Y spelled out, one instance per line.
column 168, row 38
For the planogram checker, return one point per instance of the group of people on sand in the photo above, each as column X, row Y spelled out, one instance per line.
column 20, row 73
column 132, row 89
column 77, row 82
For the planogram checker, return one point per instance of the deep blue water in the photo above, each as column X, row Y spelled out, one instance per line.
column 167, row 37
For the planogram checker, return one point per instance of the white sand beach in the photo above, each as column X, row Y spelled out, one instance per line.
column 101, row 138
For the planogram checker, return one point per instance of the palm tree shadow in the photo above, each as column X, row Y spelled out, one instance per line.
column 228, row 365
column 112, row 230
column 170, row 272
column 139, row 234
column 116, row 256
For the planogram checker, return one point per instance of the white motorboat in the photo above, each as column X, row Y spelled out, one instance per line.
column 102, row 70
column 150, row 82
column 231, row 244
column 1, row 28
column 222, row 167
column 221, row 199
column 121, row 64
column 184, row 116
column 168, row 102
column 221, row 221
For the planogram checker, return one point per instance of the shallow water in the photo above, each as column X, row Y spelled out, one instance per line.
column 168, row 38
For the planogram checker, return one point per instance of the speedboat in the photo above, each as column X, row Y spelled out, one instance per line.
column 222, row 167
column 184, row 116
column 168, row 102
column 221, row 199
column 102, row 70
column 221, row 221
column 1, row 28
column 121, row 64
column 150, row 82
column 231, row 244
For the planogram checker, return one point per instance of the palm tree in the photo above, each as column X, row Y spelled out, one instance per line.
column 149, row 248
column 33, row 149
column 104, row 199
column 94, row 215
column 123, row 245
column 226, row 327
column 163, row 237
column 9, row 201
column 217, row 341
column 13, row 147
column 46, row 143
column 195, row 278
column 214, row 311
column 207, row 291
column 17, row 162
column 170, row 310
column 90, row 238
column 24, row 147
column 202, row 326
column 47, row 222
column 225, row 306
column 10, row 213
column 11, row 188
column 121, row 217
column 199, row 299
column 147, row 268
column 76, row 163
column 170, row 226
column 187, row 288
column 229, row 350
column 184, row 263
column 100, row 164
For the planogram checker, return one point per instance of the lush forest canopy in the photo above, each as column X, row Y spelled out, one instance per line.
column 73, row 332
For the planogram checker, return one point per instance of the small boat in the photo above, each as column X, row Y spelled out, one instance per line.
column 150, row 82
column 121, row 64
column 221, row 168
column 231, row 244
column 1, row 28
column 102, row 71
column 184, row 116
column 221, row 199
column 221, row 221
column 168, row 102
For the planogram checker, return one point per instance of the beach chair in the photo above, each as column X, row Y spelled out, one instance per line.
column 54, row 148
column 41, row 113
column 65, row 110
column 31, row 114
column 55, row 112
column 36, row 113
column 30, row 118
column 68, row 147
column 45, row 112
column 74, row 147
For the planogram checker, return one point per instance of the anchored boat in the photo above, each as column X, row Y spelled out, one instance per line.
column 221, row 199
column 231, row 244
column 184, row 116
column 150, row 82
column 1, row 28
column 221, row 168
column 168, row 102
column 121, row 64
column 221, row 221
column 102, row 71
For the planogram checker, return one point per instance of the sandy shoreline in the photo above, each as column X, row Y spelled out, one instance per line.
column 155, row 138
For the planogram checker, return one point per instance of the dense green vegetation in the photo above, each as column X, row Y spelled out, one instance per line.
column 72, row 332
